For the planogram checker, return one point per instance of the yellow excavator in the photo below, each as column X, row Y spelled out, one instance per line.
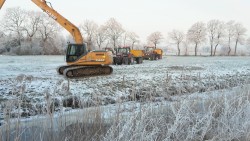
column 80, row 62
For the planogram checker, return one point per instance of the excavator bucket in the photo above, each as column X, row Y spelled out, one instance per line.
column 1, row 3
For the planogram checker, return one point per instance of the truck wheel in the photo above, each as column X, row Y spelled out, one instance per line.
column 152, row 57
column 117, row 61
column 156, row 57
column 125, row 60
column 140, row 60
column 137, row 60
column 131, row 61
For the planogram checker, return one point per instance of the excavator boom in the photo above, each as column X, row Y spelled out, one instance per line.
column 73, row 30
column 1, row 3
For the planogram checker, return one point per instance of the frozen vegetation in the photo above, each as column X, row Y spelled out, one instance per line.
column 176, row 98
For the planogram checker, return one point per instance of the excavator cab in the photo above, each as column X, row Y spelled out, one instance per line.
column 124, row 50
column 75, row 52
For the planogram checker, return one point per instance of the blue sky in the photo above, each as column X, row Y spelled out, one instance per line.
column 147, row 16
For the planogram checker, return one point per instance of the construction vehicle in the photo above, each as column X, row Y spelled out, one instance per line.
column 138, row 55
column 113, row 53
column 80, row 62
column 152, row 53
column 110, row 49
column 124, row 55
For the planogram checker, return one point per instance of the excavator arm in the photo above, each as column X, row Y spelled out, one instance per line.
column 71, row 28
column 1, row 3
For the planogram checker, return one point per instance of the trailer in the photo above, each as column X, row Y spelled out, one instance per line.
column 138, row 55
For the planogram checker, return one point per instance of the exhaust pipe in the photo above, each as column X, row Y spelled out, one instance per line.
column 1, row 3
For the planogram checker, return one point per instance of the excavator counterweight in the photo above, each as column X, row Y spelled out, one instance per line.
column 80, row 62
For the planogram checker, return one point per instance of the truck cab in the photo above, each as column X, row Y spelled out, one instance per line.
column 123, row 56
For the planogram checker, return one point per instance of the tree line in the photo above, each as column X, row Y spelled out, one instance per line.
column 25, row 32
column 29, row 32
column 227, row 35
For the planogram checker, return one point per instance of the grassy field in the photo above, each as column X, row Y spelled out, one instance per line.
column 177, row 98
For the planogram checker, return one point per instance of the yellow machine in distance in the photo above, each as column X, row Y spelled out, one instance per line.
column 152, row 53
column 80, row 62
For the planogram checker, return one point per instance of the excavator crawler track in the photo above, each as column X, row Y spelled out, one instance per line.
column 87, row 71
column 61, row 69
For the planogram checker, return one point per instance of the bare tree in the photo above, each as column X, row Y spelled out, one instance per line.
column 248, row 45
column 134, row 38
column 230, row 30
column 155, row 38
column 48, row 30
column 129, row 39
column 2, row 40
column 216, row 31
column 212, row 27
column 31, row 23
column 114, row 31
column 101, row 36
column 248, row 42
column 197, row 34
column 125, row 38
column 13, row 22
column 89, row 28
column 177, row 37
column 220, row 34
column 239, row 35
column 186, row 46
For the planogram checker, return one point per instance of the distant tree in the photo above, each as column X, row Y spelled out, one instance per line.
column 248, row 44
column 239, row 35
column 186, row 44
column 220, row 34
column 197, row 34
column 133, row 38
column 215, row 30
column 48, row 30
column 2, row 38
column 125, row 38
column 89, row 29
column 129, row 39
column 230, row 31
column 177, row 37
column 13, row 22
column 101, row 35
column 114, row 31
column 31, row 23
column 155, row 38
